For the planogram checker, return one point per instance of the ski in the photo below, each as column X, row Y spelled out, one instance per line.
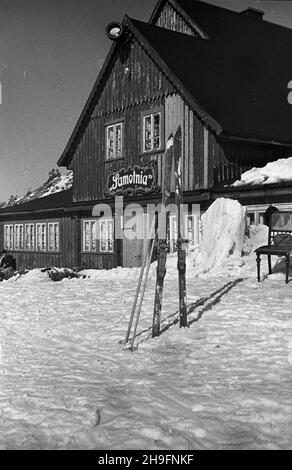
column 162, row 246
column 181, row 253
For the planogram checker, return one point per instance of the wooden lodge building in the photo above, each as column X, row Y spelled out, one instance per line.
column 221, row 75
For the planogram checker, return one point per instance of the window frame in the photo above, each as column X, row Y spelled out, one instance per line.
column 18, row 237
column 107, row 222
column 97, row 246
column 194, row 240
column 41, row 249
column 56, row 237
column 151, row 113
column 115, row 123
column 9, row 246
column 92, row 241
column 32, row 237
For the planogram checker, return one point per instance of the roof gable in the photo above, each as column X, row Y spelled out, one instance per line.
column 130, row 26
column 236, row 81
column 169, row 14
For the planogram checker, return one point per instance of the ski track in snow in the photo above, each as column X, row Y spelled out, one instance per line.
column 67, row 383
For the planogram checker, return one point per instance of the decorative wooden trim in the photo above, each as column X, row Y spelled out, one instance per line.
column 112, row 122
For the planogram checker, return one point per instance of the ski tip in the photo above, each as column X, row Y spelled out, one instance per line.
column 169, row 142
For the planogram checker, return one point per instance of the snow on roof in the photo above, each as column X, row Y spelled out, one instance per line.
column 57, row 184
column 274, row 172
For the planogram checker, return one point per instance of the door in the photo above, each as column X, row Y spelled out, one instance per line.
column 133, row 241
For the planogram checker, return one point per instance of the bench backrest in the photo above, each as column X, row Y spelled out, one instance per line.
column 280, row 228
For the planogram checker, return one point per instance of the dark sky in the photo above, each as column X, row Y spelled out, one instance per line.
column 50, row 55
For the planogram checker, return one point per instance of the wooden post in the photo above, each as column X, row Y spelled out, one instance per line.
column 181, row 253
column 162, row 247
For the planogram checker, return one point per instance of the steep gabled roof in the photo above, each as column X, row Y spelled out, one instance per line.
column 239, row 75
column 236, row 80
column 129, row 26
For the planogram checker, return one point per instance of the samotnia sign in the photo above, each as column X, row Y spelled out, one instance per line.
column 137, row 179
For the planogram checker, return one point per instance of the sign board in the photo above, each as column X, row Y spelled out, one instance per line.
column 132, row 180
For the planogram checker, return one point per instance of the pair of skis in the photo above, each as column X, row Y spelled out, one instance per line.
column 173, row 158
column 141, row 286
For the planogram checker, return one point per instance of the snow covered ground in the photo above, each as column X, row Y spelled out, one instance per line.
column 223, row 383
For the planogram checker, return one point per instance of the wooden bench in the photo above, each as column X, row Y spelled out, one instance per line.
column 279, row 241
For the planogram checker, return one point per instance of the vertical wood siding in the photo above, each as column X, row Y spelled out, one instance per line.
column 231, row 159
column 98, row 261
column 125, row 96
column 169, row 18
column 178, row 113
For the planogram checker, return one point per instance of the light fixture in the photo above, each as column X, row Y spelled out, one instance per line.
column 114, row 30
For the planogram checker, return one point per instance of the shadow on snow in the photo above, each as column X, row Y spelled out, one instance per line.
column 207, row 302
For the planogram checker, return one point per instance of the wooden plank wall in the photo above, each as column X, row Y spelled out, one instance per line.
column 91, row 169
column 70, row 241
column 196, row 154
column 68, row 256
column 98, row 261
column 135, row 84
column 169, row 18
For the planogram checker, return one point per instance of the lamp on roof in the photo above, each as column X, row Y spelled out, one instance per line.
column 114, row 30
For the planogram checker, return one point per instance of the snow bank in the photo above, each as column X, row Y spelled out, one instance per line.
column 274, row 172
column 133, row 273
column 256, row 237
column 223, row 234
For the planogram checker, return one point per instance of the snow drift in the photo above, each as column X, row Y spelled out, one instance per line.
column 274, row 172
column 223, row 227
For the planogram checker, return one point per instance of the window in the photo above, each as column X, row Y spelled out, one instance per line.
column 53, row 236
column 41, row 239
column 152, row 132
column 102, row 231
column 261, row 217
column 114, row 141
column 190, row 232
column 89, row 235
column 250, row 218
column 192, row 229
column 18, row 237
column 29, row 237
column 8, row 237
column 106, row 232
